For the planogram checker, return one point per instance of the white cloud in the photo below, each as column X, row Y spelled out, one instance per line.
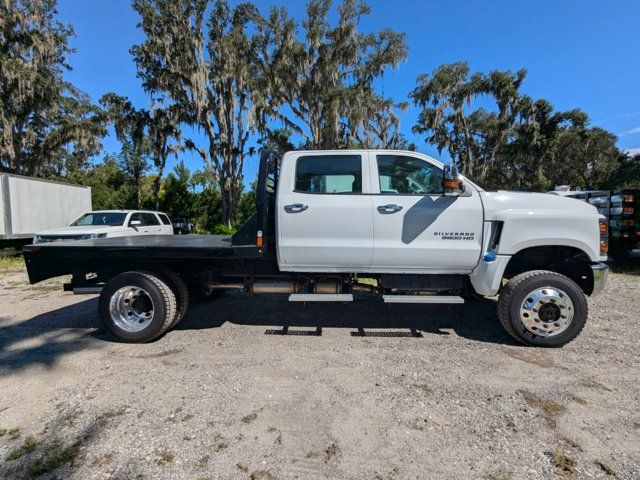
column 629, row 132
column 633, row 151
column 617, row 117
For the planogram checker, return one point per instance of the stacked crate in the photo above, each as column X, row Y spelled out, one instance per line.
column 631, row 221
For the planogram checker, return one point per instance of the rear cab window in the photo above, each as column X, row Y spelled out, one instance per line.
column 329, row 174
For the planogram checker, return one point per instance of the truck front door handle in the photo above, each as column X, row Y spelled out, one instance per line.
column 295, row 208
column 389, row 208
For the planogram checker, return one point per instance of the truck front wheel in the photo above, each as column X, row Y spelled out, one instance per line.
column 137, row 306
column 542, row 308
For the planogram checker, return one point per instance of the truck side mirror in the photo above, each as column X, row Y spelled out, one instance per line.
column 452, row 184
column 135, row 223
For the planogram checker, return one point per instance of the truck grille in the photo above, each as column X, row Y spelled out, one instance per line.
column 59, row 238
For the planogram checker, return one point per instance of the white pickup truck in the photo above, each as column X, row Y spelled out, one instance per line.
column 397, row 224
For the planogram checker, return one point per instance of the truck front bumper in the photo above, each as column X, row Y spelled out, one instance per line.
column 600, row 274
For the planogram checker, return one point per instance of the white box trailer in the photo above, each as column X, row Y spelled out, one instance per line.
column 28, row 205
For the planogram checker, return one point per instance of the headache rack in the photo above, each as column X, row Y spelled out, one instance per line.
column 259, row 229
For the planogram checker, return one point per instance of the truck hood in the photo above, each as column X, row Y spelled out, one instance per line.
column 501, row 203
column 80, row 229
column 541, row 219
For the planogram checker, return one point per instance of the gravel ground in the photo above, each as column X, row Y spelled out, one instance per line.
column 359, row 391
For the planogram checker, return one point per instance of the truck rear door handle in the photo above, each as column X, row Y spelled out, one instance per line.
column 389, row 208
column 295, row 208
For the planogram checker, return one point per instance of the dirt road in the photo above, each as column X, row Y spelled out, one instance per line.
column 438, row 393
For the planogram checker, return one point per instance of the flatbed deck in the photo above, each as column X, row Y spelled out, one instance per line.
column 205, row 245
column 45, row 260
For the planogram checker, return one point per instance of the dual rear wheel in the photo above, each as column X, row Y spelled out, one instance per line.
column 140, row 306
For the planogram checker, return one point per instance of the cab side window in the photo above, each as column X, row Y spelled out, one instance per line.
column 164, row 218
column 402, row 175
column 329, row 174
column 149, row 219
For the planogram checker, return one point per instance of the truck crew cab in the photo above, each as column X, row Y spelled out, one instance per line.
column 397, row 224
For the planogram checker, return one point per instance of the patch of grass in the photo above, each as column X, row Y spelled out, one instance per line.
column 3, row 432
column 14, row 433
column 389, row 476
column 205, row 478
column 242, row 467
column 550, row 409
column 187, row 417
column 330, row 452
column 113, row 413
column 164, row 457
column 562, row 462
column 29, row 444
column 102, row 460
column 605, row 468
column 425, row 388
column 570, row 442
column 577, row 399
column 54, row 459
column 593, row 383
column 497, row 476
column 272, row 429
column 11, row 264
column 263, row 475
column 203, row 461
column 312, row 455
column 221, row 447
column 250, row 418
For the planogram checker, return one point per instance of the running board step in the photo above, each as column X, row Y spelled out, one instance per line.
column 422, row 299
column 321, row 297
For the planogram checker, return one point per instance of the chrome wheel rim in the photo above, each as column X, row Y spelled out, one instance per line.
column 131, row 309
column 546, row 311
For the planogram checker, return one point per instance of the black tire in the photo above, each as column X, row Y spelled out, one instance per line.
column 161, row 295
column 180, row 290
column 516, row 291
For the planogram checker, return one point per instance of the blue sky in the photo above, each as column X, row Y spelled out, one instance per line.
column 579, row 53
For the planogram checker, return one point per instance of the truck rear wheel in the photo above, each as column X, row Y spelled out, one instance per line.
column 180, row 290
column 542, row 308
column 137, row 306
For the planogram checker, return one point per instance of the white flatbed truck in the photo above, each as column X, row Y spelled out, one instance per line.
column 397, row 224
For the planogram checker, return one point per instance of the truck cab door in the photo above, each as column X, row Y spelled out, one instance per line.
column 324, row 212
column 417, row 229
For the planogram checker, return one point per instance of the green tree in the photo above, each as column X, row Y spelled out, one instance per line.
column 110, row 187
column 515, row 142
column 325, row 76
column 149, row 132
column 208, row 70
column 47, row 126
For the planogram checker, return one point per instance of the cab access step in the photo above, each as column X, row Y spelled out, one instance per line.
column 348, row 297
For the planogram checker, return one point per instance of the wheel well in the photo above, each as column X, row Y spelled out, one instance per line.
column 568, row 261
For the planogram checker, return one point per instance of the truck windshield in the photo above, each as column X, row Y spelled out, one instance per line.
column 100, row 218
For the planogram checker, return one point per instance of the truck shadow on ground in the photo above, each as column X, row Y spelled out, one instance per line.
column 43, row 339
column 367, row 316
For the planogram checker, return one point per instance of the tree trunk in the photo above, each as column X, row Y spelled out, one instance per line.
column 229, row 192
